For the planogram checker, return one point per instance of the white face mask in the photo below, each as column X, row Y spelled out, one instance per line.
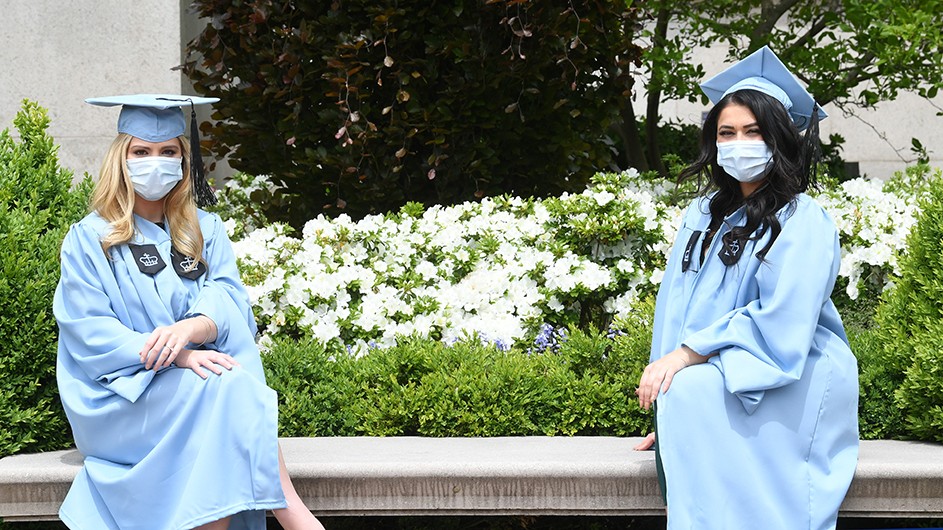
column 154, row 176
column 744, row 160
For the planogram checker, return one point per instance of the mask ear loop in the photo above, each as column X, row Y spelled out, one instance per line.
column 203, row 191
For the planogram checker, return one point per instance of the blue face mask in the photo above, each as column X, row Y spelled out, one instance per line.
column 154, row 176
column 744, row 160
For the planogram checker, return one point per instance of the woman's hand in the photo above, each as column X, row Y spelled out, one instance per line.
column 658, row 375
column 167, row 342
column 646, row 443
column 212, row 360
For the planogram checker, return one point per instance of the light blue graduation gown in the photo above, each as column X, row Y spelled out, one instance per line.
column 765, row 434
column 167, row 450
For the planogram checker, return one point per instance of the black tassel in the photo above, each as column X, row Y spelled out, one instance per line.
column 203, row 191
column 812, row 146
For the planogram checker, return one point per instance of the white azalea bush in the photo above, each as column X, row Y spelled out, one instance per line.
column 508, row 270
column 873, row 218
column 501, row 269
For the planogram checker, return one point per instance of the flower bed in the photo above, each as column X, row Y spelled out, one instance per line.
column 507, row 269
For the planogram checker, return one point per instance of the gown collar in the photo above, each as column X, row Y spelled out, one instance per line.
column 151, row 231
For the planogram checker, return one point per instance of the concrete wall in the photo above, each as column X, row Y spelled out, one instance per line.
column 59, row 52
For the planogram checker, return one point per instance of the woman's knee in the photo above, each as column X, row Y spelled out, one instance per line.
column 694, row 385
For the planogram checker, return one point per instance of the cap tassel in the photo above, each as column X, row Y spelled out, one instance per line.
column 204, row 193
column 812, row 146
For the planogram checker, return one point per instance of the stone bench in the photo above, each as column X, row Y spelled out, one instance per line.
column 495, row 476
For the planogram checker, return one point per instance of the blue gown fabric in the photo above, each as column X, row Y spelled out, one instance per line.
column 765, row 434
column 167, row 450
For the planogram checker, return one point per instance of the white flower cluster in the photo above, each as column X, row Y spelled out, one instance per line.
column 496, row 269
column 503, row 269
column 873, row 225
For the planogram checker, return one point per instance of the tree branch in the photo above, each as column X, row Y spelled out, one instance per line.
column 770, row 13
column 654, row 94
column 856, row 74
column 806, row 38
column 880, row 135
column 631, row 140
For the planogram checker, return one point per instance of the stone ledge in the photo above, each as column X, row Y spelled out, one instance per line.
column 495, row 476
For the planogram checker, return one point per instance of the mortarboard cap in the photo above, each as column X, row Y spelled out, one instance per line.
column 763, row 71
column 158, row 118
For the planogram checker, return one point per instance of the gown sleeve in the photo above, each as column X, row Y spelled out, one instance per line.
column 222, row 296
column 765, row 344
column 91, row 330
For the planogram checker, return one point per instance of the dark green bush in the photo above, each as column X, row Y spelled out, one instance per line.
column 908, row 323
column 37, row 206
column 481, row 391
column 362, row 106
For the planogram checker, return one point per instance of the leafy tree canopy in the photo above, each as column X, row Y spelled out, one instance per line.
column 851, row 53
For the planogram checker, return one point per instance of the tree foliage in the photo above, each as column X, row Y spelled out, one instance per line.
column 850, row 53
column 360, row 106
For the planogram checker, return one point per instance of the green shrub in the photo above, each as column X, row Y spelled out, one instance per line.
column 879, row 417
column 908, row 322
column 36, row 208
column 921, row 395
column 578, row 383
column 479, row 390
column 314, row 389
column 584, row 385
column 386, row 382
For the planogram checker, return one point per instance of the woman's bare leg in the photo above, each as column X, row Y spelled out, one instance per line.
column 296, row 516
column 221, row 524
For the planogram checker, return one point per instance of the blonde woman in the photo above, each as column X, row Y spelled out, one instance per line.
column 158, row 369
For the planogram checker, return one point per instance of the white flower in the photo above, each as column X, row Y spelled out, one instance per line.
column 625, row 266
column 603, row 198
column 426, row 270
column 553, row 303
column 230, row 226
column 656, row 276
column 621, row 306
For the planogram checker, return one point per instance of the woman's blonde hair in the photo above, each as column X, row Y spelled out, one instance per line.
column 113, row 199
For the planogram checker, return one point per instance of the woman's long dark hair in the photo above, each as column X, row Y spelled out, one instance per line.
column 792, row 168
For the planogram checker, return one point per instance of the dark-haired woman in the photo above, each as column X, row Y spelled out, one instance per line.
column 753, row 380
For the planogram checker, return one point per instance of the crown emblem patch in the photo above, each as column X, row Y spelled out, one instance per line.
column 184, row 265
column 147, row 258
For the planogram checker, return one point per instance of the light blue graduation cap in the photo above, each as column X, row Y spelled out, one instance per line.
column 158, row 118
column 764, row 72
